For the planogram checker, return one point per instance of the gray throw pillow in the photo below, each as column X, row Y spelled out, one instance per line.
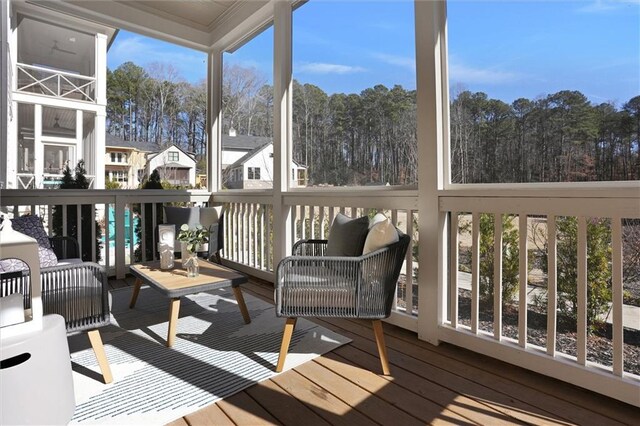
column 347, row 236
column 181, row 215
column 32, row 226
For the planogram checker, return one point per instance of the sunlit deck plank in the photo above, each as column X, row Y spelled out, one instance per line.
column 243, row 410
column 283, row 406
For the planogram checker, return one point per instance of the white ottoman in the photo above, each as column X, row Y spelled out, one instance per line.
column 36, row 385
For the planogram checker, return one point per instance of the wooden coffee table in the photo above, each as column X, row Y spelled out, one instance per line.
column 175, row 283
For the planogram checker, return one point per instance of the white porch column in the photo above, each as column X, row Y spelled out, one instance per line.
column 79, row 141
column 101, row 113
column 5, row 97
column 282, row 86
column 433, row 125
column 214, row 118
column 100, row 129
column 38, row 163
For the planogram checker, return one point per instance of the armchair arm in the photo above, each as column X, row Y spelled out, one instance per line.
column 78, row 292
column 65, row 247
column 309, row 248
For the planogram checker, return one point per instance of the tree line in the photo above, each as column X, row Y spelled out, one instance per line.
column 370, row 137
column 155, row 105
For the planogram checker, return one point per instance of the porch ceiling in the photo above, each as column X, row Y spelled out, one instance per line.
column 198, row 24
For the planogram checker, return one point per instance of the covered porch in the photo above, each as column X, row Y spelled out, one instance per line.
column 448, row 363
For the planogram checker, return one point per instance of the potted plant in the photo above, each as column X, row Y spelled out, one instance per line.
column 193, row 239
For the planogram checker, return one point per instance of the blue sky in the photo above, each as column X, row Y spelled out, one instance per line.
column 508, row 49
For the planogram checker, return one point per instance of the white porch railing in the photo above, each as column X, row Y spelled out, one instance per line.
column 249, row 225
column 120, row 245
column 60, row 84
column 483, row 329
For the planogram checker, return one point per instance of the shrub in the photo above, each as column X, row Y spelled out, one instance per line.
column 510, row 259
column 78, row 181
column 598, row 270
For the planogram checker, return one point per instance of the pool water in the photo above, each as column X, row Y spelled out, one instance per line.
column 127, row 228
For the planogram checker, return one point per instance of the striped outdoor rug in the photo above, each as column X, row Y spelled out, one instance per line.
column 214, row 356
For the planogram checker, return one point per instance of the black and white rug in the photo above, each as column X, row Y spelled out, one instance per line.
column 215, row 355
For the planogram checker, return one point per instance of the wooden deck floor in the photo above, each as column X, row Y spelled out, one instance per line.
column 429, row 384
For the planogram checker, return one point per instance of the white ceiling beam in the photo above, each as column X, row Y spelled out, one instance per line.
column 122, row 16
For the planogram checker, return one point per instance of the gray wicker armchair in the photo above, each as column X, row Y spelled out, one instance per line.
column 76, row 290
column 310, row 284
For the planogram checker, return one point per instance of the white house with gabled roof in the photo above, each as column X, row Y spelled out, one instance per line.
column 175, row 165
column 254, row 170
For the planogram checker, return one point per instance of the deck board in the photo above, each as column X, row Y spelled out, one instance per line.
column 428, row 385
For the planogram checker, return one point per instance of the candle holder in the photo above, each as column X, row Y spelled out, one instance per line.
column 166, row 241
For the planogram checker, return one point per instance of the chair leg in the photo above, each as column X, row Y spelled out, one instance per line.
column 382, row 349
column 286, row 340
column 98, row 349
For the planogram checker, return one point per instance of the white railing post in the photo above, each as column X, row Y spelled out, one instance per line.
column 617, row 296
column 523, row 278
column 581, row 344
column 497, row 276
column 552, row 284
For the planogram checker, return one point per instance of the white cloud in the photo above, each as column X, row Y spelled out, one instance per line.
column 400, row 61
column 324, row 68
column 599, row 6
column 461, row 73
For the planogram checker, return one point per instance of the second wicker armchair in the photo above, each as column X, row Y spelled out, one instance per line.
column 311, row 284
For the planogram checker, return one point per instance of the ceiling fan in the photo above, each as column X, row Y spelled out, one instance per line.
column 57, row 126
column 56, row 48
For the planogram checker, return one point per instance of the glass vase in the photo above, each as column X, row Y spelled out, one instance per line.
column 193, row 269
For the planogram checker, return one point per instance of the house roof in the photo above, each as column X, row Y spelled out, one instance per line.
column 249, row 155
column 117, row 142
column 243, row 142
column 154, row 154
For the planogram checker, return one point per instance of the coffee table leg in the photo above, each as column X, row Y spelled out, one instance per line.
column 243, row 306
column 136, row 291
column 174, row 311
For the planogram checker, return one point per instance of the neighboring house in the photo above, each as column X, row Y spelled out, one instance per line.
column 125, row 162
column 254, row 170
column 234, row 147
column 174, row 165
column 56, row 100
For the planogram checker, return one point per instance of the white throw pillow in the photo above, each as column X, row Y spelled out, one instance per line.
column 210, row 215
column 380, row 235
column 11, row 309
column 379, row 217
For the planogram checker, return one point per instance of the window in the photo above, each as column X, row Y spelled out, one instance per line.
column 537, row 96
column 302, row 177
column 26, row 138
column 354, row 97
column 173, row 156
column 253, row 173
column 113, row 157
column 57, row 157
column 120, row 176
column 247, row 103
